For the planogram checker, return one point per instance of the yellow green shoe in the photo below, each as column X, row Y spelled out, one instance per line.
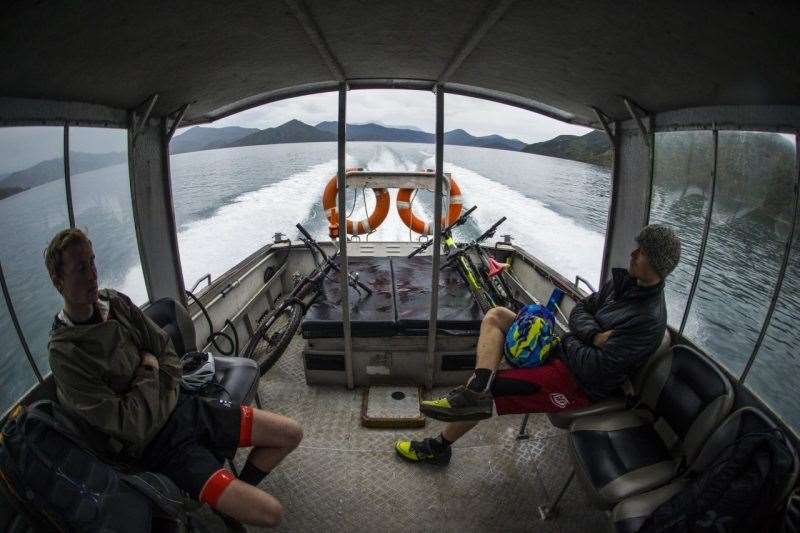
column 425, row 451
column 460, row 405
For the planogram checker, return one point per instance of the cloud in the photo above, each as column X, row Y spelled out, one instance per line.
column 392, row 107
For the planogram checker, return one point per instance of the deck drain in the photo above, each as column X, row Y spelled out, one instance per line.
column 398, row 395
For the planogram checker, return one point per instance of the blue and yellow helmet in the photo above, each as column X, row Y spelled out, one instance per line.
column 531, row 337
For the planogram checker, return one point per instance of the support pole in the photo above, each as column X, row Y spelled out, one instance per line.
column 706, row 229
column 13, row 315
column 546, row 511
column 437, row 238
column 342, row 183
column 605, row 121
column 174, row 121
column 629, row 105
column 786, row 254
column 141, row 115
column 67, row 181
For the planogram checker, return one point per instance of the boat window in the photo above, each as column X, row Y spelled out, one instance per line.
column 237, row 182
column 391, row 130
column 775, row 373
column 750, row 222
column 16, row 375
column 682, row 171
column 551, row 179
column 33, row 210
column 101, row 200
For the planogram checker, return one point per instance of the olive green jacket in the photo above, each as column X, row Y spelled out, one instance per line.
column 119, row 404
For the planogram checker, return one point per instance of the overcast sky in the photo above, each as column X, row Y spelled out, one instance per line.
column 409, row 108
column 22, row 147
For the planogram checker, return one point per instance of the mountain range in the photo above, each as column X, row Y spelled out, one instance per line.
column 590, row 148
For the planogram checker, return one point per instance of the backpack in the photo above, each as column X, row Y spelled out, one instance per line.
column 736, row 493
column 59, row 485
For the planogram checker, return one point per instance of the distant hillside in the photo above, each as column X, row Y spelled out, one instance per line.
column 376, row 132
column 293, row 131
column 591, row 148
column 200, row 138
column 463, row 138
column 53, row 169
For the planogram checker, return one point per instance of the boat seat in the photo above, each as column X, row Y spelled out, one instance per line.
column 400, row 301
column 629, row 515
column 458, row 314
column 563, row 419
column 620, row 454
column 238, row 375
column 370, row 316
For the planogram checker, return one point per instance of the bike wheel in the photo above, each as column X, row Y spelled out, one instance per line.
column 273, row 335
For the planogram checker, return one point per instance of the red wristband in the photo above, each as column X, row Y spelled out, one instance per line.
column 215, row 486
column 246, row 426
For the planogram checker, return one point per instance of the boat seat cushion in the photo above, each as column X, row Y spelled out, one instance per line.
column 370, row 316
column 458, row 313
column 239, row 376
column 400, row 301
column 620, row 454
column 683, row 399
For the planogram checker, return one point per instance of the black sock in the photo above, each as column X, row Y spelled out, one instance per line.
column 440, row 443
column 480, row 378
column 251, row 474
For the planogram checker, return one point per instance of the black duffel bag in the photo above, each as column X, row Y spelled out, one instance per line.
column 46, row 468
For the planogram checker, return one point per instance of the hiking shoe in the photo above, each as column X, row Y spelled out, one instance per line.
column 422, row 452
column 460, row 405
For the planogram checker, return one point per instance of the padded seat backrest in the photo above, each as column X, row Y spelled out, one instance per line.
column 173, row 318
column 743, row 421
column 638, row 380
column 689, row 396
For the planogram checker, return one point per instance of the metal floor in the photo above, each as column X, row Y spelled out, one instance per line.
column 345, row 477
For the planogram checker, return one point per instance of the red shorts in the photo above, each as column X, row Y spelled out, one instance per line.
column 557, row 390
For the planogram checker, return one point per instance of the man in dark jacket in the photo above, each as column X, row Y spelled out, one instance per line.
column 612, row 334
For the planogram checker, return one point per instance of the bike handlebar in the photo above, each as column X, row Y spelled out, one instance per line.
column 330, row 260
column 461, row 220
column 489, row 232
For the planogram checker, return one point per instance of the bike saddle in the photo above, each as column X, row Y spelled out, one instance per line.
column 495, row 267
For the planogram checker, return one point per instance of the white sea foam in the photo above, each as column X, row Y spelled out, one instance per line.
column 558, row 241
column 217, row 243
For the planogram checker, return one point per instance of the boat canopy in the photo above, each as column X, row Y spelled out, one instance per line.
column 557, row 58
column 638, row 70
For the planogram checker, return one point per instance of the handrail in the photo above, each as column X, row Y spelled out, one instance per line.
column 199, row 281
column 580, row 278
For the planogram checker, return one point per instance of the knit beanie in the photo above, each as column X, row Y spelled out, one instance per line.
column 662, row 246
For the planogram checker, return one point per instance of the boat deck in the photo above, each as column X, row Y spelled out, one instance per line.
column 345, row 477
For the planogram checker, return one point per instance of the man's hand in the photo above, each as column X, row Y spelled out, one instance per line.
column 600, row 339
column 149, row 359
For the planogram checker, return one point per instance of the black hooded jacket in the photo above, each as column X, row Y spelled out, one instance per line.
column 638, row 316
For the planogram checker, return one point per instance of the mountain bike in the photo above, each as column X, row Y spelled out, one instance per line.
column 487, row 285
column 276, row 328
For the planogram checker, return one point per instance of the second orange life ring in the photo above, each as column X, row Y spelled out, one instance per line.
column 417, row 224
column 360, row 227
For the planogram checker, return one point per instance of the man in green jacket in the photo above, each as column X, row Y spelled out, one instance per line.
column 117, row 374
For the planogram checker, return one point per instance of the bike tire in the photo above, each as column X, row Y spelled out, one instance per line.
column 271, row 338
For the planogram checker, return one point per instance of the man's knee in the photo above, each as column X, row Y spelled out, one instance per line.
column 271, row 510
column 499, row 318
column 249, row 504
column 295, row 434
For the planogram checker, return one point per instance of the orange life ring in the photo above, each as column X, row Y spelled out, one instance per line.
column 360, row 227
column 417, row 224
